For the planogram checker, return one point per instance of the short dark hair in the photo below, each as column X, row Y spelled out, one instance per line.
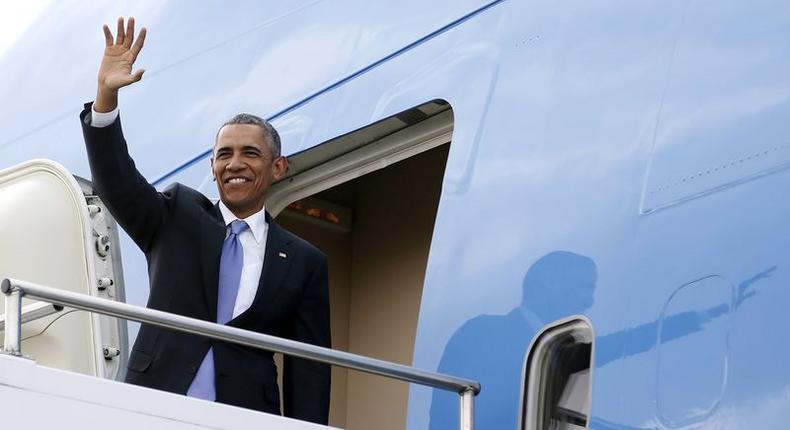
column 270, row 135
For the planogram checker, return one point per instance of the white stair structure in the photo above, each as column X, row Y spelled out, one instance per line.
column 38, row 397
column 59, row 248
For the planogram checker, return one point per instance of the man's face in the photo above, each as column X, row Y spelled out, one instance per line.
column 244, row 167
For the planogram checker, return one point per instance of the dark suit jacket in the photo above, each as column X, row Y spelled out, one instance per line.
column 181, row 233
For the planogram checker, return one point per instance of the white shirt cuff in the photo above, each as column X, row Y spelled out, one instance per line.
column 103, row 119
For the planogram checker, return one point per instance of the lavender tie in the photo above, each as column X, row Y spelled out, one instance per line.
column 230, row 265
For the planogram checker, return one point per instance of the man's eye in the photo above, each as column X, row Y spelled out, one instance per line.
column 223, row 155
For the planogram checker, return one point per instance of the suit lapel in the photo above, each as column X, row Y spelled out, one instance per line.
column 213, row 232
column 276, row 261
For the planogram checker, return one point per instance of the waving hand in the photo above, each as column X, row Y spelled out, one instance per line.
column 115, row 71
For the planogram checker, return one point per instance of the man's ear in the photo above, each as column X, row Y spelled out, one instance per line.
column 211, row 167
column 280, row 167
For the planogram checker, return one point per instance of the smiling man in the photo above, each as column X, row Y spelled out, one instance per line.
column 227, row 262
column 244, row 165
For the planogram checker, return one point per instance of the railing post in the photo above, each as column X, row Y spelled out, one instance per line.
column 467, row 399
column 12, row 343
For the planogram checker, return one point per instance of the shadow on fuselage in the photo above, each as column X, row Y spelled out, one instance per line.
column 644, row 337
column 492, row 348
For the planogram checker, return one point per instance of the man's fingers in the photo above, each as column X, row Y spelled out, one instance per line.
column 129, row 36
column 119, row 32
column 138, row 44
column 107, row 35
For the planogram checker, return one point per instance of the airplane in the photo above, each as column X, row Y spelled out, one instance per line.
column 581, row 205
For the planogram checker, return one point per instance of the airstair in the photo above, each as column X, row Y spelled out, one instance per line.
column 65, row 343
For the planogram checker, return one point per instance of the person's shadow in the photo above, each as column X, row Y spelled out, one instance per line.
column 644, row 337
column 491, row 348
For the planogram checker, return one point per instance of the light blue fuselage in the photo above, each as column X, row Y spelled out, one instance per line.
column 631, row 155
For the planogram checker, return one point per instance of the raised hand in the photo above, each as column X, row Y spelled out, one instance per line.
column 115, row 71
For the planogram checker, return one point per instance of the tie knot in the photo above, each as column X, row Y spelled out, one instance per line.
column 238, row 226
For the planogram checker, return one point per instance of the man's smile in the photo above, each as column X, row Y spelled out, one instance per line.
column 235, row 180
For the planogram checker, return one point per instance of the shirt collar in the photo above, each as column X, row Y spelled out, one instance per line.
column 256, row 222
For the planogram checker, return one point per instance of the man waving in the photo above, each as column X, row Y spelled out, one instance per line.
column 228, row 262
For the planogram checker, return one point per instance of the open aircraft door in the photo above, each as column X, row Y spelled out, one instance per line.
column 55, row 232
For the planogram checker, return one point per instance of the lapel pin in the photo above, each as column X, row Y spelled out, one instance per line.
column 283, row 255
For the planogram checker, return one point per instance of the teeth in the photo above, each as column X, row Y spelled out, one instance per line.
column 237, row 180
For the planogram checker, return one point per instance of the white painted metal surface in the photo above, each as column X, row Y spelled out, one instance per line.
column 49, row 234
column 45, row 235
column 41, row 397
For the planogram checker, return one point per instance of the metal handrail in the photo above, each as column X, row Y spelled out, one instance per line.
column 14, row 290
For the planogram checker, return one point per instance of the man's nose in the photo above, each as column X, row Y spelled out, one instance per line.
column 235, row 163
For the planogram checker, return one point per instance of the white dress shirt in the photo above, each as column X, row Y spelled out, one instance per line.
column 103, row 119
column 253, row 240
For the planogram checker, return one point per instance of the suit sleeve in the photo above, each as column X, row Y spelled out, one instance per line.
column 306, row 383
column 134, row 203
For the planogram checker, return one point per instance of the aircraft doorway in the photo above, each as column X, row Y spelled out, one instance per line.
column 376, row 231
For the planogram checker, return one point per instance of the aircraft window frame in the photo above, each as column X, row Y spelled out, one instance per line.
column 543, row 367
